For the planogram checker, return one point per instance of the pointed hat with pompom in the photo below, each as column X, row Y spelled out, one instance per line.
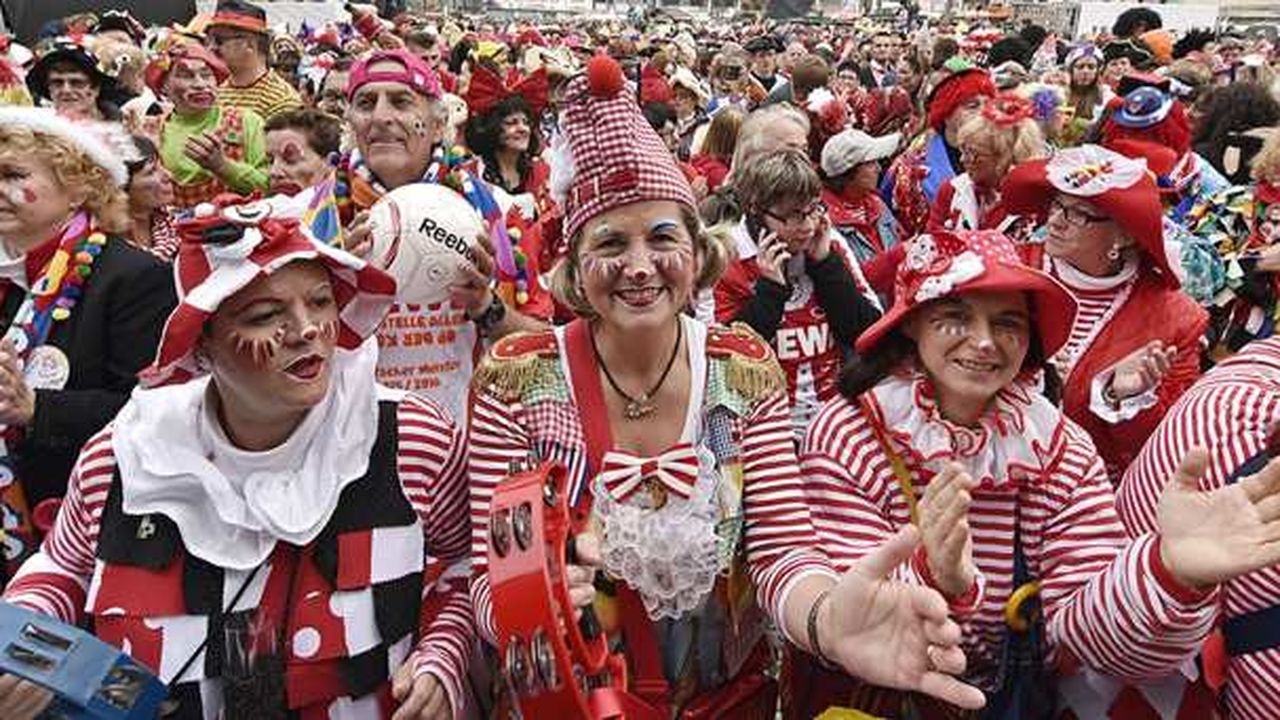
column 606, row 155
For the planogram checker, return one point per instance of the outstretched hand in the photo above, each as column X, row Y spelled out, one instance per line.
column 894, row 634
column 1211, row 537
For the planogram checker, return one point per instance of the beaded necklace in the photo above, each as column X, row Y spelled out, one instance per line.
column 60, row 286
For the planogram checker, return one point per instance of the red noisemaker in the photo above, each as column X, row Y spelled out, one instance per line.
column 555, row 667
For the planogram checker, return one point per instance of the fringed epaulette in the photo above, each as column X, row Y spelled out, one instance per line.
column 751, row 370
column 516, row 363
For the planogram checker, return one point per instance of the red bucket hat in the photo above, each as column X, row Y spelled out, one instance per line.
column 224, row 249
column 943, row 264
column 1122, row 188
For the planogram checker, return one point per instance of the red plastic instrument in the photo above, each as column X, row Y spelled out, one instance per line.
column 555, row 667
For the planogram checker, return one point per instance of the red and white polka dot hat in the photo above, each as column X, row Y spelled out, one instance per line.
column 943, row 264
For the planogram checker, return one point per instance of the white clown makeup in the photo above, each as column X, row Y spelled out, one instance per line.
column 611, row 255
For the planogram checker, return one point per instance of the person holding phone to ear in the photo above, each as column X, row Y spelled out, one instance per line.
column 795, row 282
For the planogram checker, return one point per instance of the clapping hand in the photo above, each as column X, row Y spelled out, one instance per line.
column 1142, row 370
column 894, row 634
column 1210, row 537
column 944, row 525
column 206, row 151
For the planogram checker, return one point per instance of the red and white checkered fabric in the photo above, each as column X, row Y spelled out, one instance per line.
column 617, row 157
column 207, row 274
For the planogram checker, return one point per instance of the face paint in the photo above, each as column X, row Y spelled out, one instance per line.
column 20, row 195
column 260, row 350
column 419, row 128
column 291, row 153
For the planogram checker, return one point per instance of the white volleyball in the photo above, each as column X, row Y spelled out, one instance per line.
column 422, row 235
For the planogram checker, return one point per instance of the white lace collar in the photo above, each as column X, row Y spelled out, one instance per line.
column 231, row 506
column 1017, row 438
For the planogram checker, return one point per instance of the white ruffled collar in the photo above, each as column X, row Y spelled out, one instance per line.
column 1016, row 440
column 232, row 506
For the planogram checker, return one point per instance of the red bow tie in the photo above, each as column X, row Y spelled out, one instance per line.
column 676, row 469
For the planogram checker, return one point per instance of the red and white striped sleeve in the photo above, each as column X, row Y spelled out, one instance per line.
column 1109, row 601
column 853, row 495
column 55, row 581
column 431, row 462
column 497, row 439
column 779, row 534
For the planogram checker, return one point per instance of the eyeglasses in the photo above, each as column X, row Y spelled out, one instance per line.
column 70, row 83
column 1074, row 216
column 799, row 216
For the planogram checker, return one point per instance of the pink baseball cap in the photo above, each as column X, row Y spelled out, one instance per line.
column 415, row 73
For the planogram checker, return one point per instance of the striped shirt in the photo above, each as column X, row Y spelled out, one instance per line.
column 1096, row 299
column 1109, row 603
column 269, row 95
column 1229, row 412
column 430, row 462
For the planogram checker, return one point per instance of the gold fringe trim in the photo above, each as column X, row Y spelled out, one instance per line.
column 754, row 379
column 510, row 378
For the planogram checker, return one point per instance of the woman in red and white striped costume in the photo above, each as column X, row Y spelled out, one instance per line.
column 1135, row 344
column 944, row 427
column 678, row 449
column 255, row 526
column 1232, row 413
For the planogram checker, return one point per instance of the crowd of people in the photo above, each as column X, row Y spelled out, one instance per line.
column 919, row 367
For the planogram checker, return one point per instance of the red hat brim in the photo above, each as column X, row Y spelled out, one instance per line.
column 1053, row 309
column 1027, row 190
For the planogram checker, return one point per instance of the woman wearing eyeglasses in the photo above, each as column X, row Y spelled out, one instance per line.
column 796, row 281
column 1135, row 344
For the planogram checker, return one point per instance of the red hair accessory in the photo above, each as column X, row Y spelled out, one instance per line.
column 1007, row 110
column 158, row 70
column 487, row 89
column 955, row 91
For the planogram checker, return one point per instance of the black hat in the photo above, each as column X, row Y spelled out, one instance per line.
column 763, row 43
column 66, row 52
column 123, row 21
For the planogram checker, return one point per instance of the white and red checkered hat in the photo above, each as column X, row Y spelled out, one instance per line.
column 229, row 246
column 606, row 155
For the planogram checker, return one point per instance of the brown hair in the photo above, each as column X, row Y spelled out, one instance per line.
column 775, row 177
column 810, row 73
column 712, row 245
column 322, row 130
column 75, row 171
column 722, row 133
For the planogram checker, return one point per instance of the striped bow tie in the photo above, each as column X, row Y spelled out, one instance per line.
column 676, row 469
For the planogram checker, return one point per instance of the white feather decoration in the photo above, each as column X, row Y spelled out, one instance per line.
column 562, row 170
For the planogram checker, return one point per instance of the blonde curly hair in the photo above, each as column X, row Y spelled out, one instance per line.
column 1009, row 144
column 75, row 171
column 1265, row 167
column 713, row 247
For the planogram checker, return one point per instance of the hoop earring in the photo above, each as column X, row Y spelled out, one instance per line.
column 1114, row 253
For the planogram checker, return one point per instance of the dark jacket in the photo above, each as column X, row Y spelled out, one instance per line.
column 112, row 333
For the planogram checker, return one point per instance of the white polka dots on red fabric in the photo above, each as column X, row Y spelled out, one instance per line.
column 306, row 642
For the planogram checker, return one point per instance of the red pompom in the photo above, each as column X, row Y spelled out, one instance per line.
column 604, row 76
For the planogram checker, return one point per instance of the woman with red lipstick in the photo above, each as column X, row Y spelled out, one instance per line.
column 1135, row 345
column 277, row 505
column 941, row 425
column 676, row 438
